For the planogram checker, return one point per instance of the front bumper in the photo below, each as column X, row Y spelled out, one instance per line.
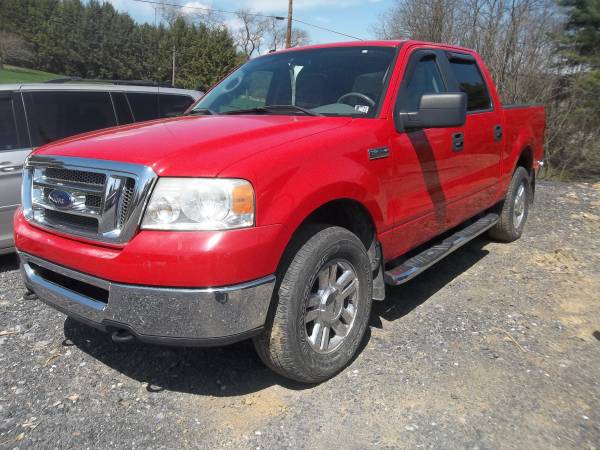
column 173, row 316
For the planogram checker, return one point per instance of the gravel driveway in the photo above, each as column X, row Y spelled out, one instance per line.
column 498, row 346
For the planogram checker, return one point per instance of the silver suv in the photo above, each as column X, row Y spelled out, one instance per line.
column 35, row 114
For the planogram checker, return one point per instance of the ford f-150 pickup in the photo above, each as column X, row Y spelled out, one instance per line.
column 281, row 204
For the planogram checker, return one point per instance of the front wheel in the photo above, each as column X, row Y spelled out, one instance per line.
column 322, row 308
column 514, row 209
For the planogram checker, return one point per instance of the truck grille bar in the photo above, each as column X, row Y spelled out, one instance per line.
column 96, row 199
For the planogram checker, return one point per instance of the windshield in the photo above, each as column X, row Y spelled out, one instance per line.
column 341, row 81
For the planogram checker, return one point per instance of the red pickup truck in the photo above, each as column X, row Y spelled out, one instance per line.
column 282, row 203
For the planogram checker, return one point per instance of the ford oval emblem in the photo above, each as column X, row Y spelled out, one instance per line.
column 60, row 199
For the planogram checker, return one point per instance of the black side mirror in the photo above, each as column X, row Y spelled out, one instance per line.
column 436, row 111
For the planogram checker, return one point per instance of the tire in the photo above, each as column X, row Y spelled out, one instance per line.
column 308, row 307
column 514, row 209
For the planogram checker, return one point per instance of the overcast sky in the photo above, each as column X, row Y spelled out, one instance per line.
column 353, row 17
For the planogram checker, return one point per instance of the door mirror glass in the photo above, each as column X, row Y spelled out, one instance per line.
column 437, row 111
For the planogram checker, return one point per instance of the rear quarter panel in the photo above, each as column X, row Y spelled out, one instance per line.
column 524, row 128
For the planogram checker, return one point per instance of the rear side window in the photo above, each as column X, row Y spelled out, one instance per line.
column 9, row 139
column 426, row 78
column 174, row 105
column 471, row 82
column 144, row 106
column 56, row 115
column 122, row 108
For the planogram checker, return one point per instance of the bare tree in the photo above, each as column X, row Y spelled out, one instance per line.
column 256, row 34
column 13, row 49
column 431, row 20
column 300, row 37
column 518, row 41
column 515, row 37
column 191, row 14
column 277, row 32
column 252, row 32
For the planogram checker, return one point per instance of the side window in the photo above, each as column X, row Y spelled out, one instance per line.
column 426, row 78
column 56, row 115
column 471, row 82
column 9, row 138
column 144, row 105
column 122, row 108
column 174, row 105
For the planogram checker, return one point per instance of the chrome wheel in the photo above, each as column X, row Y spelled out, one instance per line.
column 520, row 205
column 332, row 306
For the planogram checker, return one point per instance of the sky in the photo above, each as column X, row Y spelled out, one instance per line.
column 353, row 17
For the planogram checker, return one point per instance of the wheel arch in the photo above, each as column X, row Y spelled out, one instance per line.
column 346, row 212
column 526, row 160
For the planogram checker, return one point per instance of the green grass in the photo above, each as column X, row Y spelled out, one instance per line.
column 12, row 74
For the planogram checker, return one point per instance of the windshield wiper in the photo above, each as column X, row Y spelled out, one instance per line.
column 274, row 109
column 201, row 112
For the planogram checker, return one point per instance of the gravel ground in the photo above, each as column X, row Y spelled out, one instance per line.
column 498, row 346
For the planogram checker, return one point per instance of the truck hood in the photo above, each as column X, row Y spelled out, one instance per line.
column 192, row 145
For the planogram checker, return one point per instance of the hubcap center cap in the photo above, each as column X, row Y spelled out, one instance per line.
column 330, row 306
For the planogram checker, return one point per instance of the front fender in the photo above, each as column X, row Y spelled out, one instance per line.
column 292, row 182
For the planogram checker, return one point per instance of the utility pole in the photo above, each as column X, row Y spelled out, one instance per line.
column 173, row 77
column 288, row 35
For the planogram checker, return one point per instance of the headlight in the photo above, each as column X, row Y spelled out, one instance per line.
column 200, row 204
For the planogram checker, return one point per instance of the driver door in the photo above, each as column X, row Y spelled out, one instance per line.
column 429, row 171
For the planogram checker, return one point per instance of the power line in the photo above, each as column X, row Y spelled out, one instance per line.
column 327, row 29
column 268, row 16
column 158, row 3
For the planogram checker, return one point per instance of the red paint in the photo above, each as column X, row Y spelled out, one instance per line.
column 297, row 164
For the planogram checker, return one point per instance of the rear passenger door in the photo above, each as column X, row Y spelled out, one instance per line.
column 14, row 148
column 482, row 134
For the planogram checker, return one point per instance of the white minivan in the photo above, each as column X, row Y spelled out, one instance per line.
column 35, row 114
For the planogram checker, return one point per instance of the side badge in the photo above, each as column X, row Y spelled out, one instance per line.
column 378, row 153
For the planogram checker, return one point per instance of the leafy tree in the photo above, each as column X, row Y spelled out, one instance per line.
column 580, row 47
column 581, row 36
column 13, row 49
column 90, row 39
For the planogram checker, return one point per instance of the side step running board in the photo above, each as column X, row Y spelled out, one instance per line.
column 424, row 260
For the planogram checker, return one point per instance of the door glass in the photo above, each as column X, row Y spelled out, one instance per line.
column 144, row 106
column 174, row 105
column 471, row 83
column 426, row 78
column 56, row 115
column 9, row 139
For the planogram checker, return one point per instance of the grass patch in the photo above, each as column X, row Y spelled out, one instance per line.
column 12, row 74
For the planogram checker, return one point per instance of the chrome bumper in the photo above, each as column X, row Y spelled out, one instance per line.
column 173, row 316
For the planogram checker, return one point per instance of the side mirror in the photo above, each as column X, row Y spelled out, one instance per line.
column 437, row 111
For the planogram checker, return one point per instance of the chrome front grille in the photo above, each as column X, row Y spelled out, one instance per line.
column 96, row 199
column 78, row 176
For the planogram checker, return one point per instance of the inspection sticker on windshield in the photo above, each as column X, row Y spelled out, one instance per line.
column 363, row 109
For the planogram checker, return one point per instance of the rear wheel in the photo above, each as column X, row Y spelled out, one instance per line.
column 514, row 209
column 322, row 308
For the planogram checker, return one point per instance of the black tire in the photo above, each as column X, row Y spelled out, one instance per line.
column 510, row 228
column 285, row 346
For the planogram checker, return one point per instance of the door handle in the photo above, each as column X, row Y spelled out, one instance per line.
column 498, row 132
column 458, row 142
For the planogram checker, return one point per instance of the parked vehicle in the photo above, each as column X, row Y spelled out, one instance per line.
column 280, row 206
column 36, row 114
